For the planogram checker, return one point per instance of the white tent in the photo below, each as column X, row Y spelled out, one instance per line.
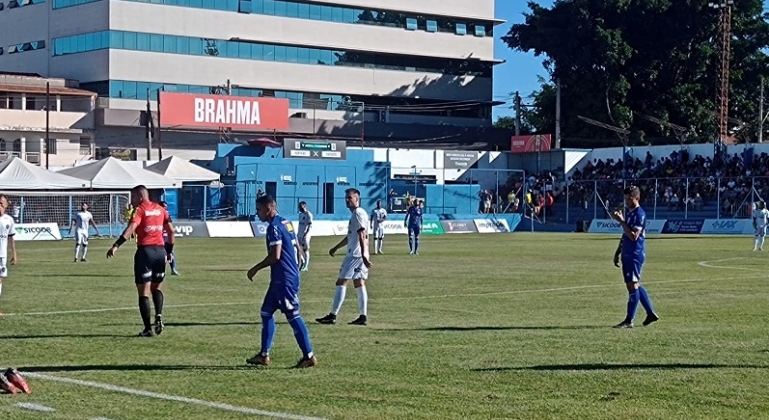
column 111, row 173
column 182, row 170
column 18, row 174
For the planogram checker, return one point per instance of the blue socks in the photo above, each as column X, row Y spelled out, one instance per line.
column 416, row 244
column 411, row 242
column 645, row 301
column 632, row 304
column 302, row 336
column 173, row 263
column 268, row 333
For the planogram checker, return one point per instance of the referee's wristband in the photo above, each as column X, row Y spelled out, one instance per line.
column 120, row 241
column 169, row 248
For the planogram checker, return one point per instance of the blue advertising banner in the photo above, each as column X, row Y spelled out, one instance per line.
column 683, row 226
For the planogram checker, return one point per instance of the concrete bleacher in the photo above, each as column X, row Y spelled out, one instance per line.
column 576, row 213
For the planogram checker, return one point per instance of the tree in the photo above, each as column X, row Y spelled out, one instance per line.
column 656, row 57
column 507, row 123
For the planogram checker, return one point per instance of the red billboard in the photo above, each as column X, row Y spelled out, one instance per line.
column 531, row 143
column 219, row 111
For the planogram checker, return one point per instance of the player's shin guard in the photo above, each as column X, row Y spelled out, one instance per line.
column 268, row 333
column 632, row 305
column 302, row 335
column 144, row 310
column 362, row 300
column 157, row 301
column 645, row 301
column 339, row 295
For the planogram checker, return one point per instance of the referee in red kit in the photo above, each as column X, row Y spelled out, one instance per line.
column 148, row 222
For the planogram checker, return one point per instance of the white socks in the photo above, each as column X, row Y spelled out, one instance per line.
column 378, row 244
column 306, row 258
column 362, row 300
column 77, row 250
column 339, row 294
column 85, row 250
column 1, row 288
column 762, row 243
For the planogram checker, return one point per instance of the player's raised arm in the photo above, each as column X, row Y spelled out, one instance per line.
column 406, row 219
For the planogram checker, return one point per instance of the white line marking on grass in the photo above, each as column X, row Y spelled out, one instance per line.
column 503, row 293
column 731, row 267
column 167, row 397
column 101, row 418
column 35, row 407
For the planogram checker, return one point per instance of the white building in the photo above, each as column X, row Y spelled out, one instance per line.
column 422, row 69
column 23, row 125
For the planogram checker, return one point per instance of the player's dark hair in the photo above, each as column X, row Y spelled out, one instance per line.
column 265, row 200
column 139, row 189
column 302, row 203
column 352, row 191
column 632, row 191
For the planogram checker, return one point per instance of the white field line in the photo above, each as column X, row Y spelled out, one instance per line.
column 709, row 264
column 167, row 397
column 35, row 407
column 504, row 293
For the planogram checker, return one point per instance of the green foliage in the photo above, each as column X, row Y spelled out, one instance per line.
column 655, row 57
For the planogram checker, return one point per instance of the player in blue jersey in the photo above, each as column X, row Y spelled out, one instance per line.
column 413, row 222
column 632, row 252
column 171, row 256
column 284, row 258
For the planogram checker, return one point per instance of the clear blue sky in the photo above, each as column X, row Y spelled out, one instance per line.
column 520, row 71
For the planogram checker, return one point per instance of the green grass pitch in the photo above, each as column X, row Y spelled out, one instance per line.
column 476, row 327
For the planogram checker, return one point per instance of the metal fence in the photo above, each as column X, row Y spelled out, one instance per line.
column 666, row 198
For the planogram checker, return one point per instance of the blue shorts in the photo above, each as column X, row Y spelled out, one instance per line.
column 414, row 230
column 631, row 269
column 282, row 299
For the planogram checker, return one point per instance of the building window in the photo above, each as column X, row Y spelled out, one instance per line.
column 480, row 30
column 85, row 146
column 245, row 6
column 49, row 147
column 26, row 46
column 60, row 4
column 432, row 26
column 3, row 145
column 30, row 104
column 461, row 29
column 265, row 52
column 411, row 24
column 17, row 145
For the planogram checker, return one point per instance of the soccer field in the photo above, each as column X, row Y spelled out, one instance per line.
column 476, row 327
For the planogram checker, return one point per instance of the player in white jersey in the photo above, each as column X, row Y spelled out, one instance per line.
column 760, row 221
column 378, row 217
column 82, row 221
column 7, row 230
column 304, row 235
column 356, row 263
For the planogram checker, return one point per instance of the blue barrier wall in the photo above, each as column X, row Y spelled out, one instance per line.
column 452, row 198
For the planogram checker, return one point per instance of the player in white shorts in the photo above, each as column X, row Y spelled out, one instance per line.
column 760, row 221
column 357, row 262
column 304, row 235
column 378, row 217
column 7, row 230
column 82, row 221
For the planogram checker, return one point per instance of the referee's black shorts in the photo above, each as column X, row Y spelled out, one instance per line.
column 149, row 264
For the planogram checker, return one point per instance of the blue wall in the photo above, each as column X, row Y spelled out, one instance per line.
column 452, row 198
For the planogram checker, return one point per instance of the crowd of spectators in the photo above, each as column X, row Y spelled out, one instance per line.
column 676, row 183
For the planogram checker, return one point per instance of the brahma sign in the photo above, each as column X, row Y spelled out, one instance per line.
column 218, row 111
column 528, row 144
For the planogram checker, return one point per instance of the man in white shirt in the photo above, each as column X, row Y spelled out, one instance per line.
column 82, row 221
column 304, row 236
column 356, row 263
column 7, row 231
column 378, row 217
column 760, row 221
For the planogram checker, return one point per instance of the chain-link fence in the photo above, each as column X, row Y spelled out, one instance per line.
column 108, row 209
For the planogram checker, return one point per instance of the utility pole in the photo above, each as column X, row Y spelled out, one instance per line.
column 47, row 121
column 147, row 129
column 229, row 87
column 761, row 113
column 159, row 133
column 517, row 106
column 558, row 113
